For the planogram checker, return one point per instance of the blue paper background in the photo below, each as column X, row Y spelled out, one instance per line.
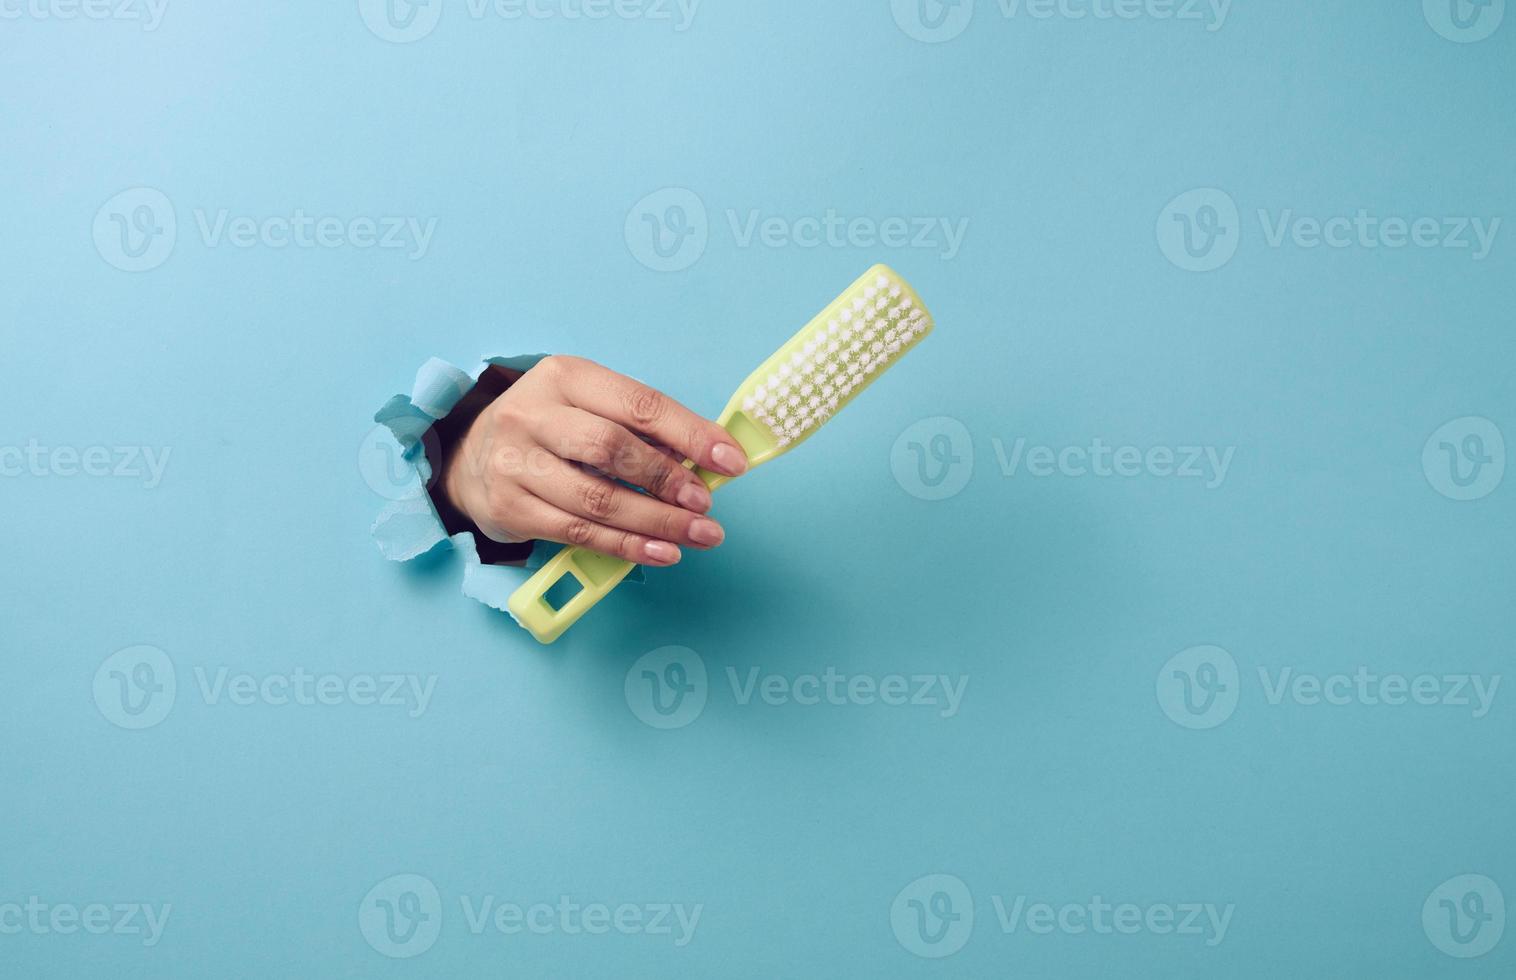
column 1061, row 599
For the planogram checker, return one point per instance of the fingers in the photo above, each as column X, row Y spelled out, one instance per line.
column 583, row 495
column 610, row 448
column 634, row 405
column 550, row 523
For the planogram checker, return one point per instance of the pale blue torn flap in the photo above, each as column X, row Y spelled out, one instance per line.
column 409, row 527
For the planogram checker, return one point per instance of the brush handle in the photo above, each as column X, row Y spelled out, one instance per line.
column 596, row 574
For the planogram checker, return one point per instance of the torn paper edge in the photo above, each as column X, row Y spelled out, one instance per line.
column 409, row 527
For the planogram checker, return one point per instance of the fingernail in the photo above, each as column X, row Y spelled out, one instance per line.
column 729, row 459
column 662, row 552
column 693, row 496
column 706, row 532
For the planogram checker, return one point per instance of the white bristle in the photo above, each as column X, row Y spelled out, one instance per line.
column 836, row 359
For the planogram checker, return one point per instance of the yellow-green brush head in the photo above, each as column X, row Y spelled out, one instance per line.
column 824, row 366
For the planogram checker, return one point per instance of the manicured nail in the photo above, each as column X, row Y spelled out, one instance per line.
column 729, row 459
column 662, row 552
column 693, row 496
column 706, row 532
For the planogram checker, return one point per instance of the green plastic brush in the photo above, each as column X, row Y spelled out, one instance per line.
column 818, row 371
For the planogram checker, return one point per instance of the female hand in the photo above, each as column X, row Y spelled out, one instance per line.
column 533, row 465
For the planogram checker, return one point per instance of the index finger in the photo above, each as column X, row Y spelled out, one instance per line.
column 643, row 409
